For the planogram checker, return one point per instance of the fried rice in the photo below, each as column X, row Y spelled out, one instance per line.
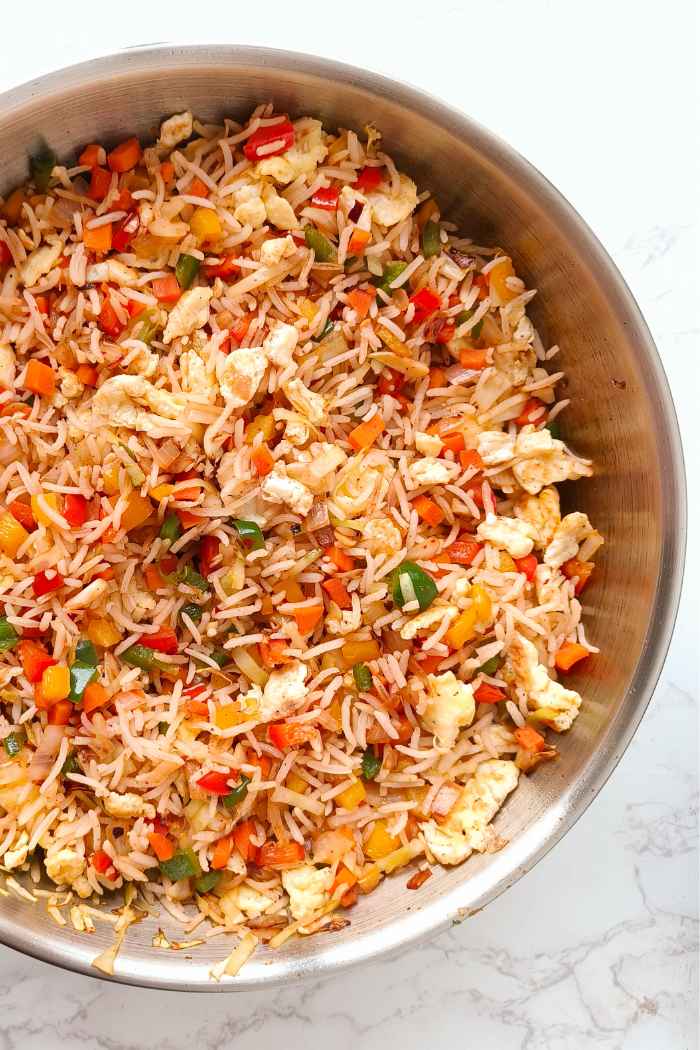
column 287, row 588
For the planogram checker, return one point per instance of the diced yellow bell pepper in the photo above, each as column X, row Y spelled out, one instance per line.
column 352, row 796
column 497, row 280
column 228, row 715
column 506, row 563
column 361, row 652
column 205, row 224
column 462, row 630
column 163, row 491
column 307, row 308
column 391, row 341
column 12, row 534
column 110, row 479
column 12, row 208
column 295, row 783
column 482, row 602
column 103, row 632
column 138, row 510
column 334, row 709
column 370, row 879
column 48, row 499
column 262, row 424
column 55, row 683
column 380, row 842
column 293, row 591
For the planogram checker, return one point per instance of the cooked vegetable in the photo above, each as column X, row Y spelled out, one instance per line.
column 207, row 881
column 81, row 674
column 409, row 582
column 365, row 434
column 191, row 578
column 237, row 793
column 570, row 654
column 392, row 270
column 142, row 657
column 371, row 764
column 269, row 141
column 8, row 635
column 430, row 239
column 322, row 248
column 171, row 529
column 490, row 666
column 41, row 166
column 14, row 742
column 181, row 865
column 250, row 534
column 43, row 583
column 193, row 611
column 186, row 269
column 363, row 677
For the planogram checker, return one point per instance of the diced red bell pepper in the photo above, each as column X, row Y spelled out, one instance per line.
column 34, row 659
column 124, row 233
column 166, row 289
column 60, row 713
column 527, row 565
column 75, row 509
column 5, row 254
column 369, row 178
column 22, row 513
column 463, row 551
column 488, row 694
column 122, row 201
column 426, row 302
column 44, row 584
column 102, row 863
column 290, row 734
column 208, row 552
column 269, row 141
column 108, row 320
column 194, row 690
column 163, row 641
column 216, row 783
column 272, row 651
column 390, row 382
column 228, row 265
column 326, row 198
column 100, row 180
column 134, row 307
column 445, row 333
column 531, row 412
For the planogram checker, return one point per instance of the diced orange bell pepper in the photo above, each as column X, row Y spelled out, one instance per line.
column 125, row 156
column 337, row 592
column 281, row 855
column 342, row 561
column 290, row 734
column 166, row 289
column 529, row 738
column 94, row 697
column 428, row 511
column 40, row 378
column 99, row 238
column 161, row 845
column 262, row 459
column 242, row 834
column 361, row 301
column 365, row 435
column 222, row 852
column 358, row 241
column 307, row 617
column 473, row 359
column 570, row 654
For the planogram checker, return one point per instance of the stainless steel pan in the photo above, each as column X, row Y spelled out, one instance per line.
column 621, row 415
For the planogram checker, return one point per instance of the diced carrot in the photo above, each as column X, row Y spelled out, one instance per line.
column 430, row 663
column 122, row 202
column 242, row 834
column 187, row 518
column 418, row 878
column 570, row 654
column 473, row 359
column 360, row 300
column 307, row 617
column 34, row 659
column 222, row 852
column 290, row 734
column 364, row 435
column 86, row 374
column 462, row 552
column 90, row 155
column 98, row 239
column 342, row 561
column 438, row 379
column 162, row 846
column 344, row 877
column 337, row 592
column 262, row 761
column 281, row 854
column 197, row 709
column 428, row 511
column 572, row 569
column 167, row 170
column 453, row 441
column 531, row 412
column 358, row 241
column 488, row 694
column 262, row 459
column 100, row 181
column 40, row 378
column 529, row 738
column 166, row 289
column 197, row 188
column 470, row 458
column 59, row 713
column 22, row 513
column 134, row 307
column 125, row 156
column 272, row 651
column 94, row 697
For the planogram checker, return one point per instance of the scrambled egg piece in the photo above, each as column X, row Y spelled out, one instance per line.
column 542, row 512
column 64, row 866
column 428, row 444
column 495, row 447
column 7, row 367
column 450, row 707
column 309, row 888
column 190, row 312
column 389, row 209
column 284, row 692
column 344, row 621
column 17, row 854
column 423, row 621
column 357, row 486
column 550, row 702
column 279, row 212
column 381, row 536
column 175, row 129
column 467, row 826
column 302, row 158
column 243, row 902
column 509, row 534
column 280, row 343
column 249, row 208
column 38, row 264
column 133, row 402
column 276, row 249
column 309, row 404
column 277, row 487
column 195, row 376
column 127, row 806
column 568, row 535
column 545, row 461
column 432, row 471
column 547, row 585
column 114, row 271
column 240, row 374
column 514, row 361
column 296, row 432
column 316, row 467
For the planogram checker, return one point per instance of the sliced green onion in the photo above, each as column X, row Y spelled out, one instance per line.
column 491, row 666
column 133, row 470
column 186, row 269
column 371, row 764
column 14, row 742
column 171, row 529
column 250, row 534
column 191, row 578
column 327, row 329
column 8, row 635
column 363, row 677
column 182, row 865
column 71, row 764
column 422, row 585
column 238, row 793
column 430, row 239
column 193, row 611
column 143, row 657
column 391, row 272
column 463, row 317
column 320, row 245
column 85, row 653
column 147, row 324
column 207, row 881
column 80, row 677
column 41, row 166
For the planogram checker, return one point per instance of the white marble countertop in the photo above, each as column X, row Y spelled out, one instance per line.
column 596, row 949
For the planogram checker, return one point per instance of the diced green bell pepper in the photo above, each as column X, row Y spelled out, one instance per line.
column 250, row 534
column 423, row 585
column 186, row 269
column 8, row 635
column 81, row 675
column 238, row 793
column 182, row 865
column 321, row 247
column 371, row 764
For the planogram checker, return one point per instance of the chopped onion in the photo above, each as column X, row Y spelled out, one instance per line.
column 461, row 258
column 330, row 847
column 45, row 755
column 456, row 374
column 317, row 518
column 325, row 537
column 247, row 665
column 166, row 454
